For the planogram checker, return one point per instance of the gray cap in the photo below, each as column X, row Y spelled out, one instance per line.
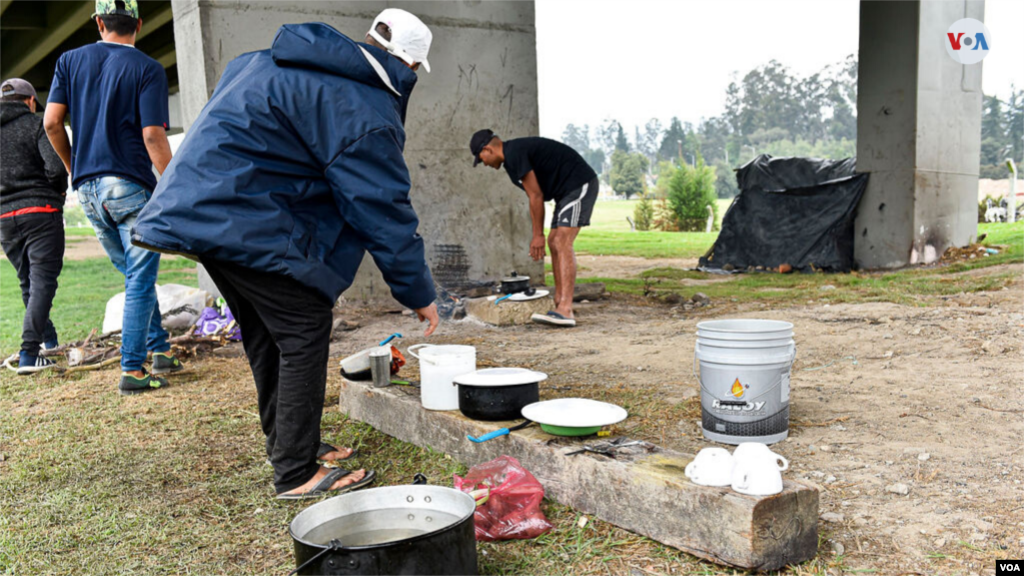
column 17, row 86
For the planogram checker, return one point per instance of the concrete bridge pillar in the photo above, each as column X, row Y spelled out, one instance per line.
column 484, row 64
column 918, row 134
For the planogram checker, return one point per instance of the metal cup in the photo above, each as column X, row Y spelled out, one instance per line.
column 380, row 366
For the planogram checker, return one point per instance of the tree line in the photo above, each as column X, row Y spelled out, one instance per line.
column 770, row 110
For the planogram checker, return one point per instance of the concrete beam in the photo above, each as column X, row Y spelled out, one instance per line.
column 23, row 19
column 918, row 134
column 4, row 5
column 59, row 31
column 645, row 493
column 154, row 21
column 167, row 56
column 70, row 19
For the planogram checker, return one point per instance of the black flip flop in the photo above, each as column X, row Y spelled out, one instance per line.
column 322, row 487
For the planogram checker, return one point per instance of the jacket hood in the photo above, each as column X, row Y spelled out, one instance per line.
column 320, row 47
column 12, row 111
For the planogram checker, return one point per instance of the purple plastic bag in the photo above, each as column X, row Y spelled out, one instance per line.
column 211, row 322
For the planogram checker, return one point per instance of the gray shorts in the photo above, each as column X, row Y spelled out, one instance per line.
column 573, row 210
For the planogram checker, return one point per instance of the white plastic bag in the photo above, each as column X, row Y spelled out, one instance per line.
column 186, row 302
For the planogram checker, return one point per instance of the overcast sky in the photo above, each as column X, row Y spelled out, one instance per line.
column 636, row 59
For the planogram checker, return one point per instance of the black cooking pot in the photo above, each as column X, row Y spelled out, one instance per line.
column 411, row 529
column 495, row 394
column 514, row 283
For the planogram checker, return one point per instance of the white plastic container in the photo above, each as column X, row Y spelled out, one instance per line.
column 439, row 365
column 744, row 379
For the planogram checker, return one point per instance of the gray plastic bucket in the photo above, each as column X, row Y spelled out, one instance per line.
column 744, row 379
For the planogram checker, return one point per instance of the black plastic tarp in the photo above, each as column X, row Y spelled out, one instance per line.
column 796, row 211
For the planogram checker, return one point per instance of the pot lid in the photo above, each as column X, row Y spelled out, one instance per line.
column 515, row 279
column 500, row 377
column 574, row 413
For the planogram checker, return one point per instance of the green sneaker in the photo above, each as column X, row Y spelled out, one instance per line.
column 165, row 363
column 131, row 385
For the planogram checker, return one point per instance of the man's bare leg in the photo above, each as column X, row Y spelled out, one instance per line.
column 556, row 259
column 565, row 277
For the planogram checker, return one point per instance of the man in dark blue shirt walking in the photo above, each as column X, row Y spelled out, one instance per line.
column 117, row 100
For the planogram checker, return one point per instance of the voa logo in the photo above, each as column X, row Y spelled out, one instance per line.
column 1004, row 567
column 968, row 41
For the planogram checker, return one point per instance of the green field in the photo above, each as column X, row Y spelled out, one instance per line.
column 609, row 235
column 610, row 215
column 85, row 287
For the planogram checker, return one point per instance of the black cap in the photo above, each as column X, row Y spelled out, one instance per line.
column 478, row 141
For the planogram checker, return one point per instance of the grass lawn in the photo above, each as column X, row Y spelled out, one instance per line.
column 609, row 235
column 85, row 287
column 916, row 285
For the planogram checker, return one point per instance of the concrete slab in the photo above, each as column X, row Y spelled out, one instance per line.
column 644, row 493
column 507, row 313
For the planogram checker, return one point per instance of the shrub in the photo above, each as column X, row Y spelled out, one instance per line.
column 643, row 213
column 690, row 191
column 664, row 220
column 665, row 172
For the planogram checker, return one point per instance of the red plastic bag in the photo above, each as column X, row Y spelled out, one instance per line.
column 511, row 510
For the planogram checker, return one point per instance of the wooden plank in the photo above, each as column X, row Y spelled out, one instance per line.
column 646, row 494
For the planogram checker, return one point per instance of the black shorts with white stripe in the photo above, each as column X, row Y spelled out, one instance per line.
column 573, row 210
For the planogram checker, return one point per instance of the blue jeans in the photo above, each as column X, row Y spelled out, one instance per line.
column 112, row 205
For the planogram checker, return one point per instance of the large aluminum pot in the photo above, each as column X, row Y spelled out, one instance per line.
column 412, row 529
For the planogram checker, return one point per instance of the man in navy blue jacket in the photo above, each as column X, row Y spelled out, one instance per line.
column 292, row 170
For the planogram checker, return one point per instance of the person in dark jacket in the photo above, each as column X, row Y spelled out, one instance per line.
column 33, row 183
column 292, row 170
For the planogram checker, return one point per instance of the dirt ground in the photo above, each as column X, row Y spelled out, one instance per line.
column 79, row 248
column 908, row 419
column 82, row 248
column 626, row 266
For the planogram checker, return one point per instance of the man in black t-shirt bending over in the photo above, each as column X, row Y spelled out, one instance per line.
column 547, row 170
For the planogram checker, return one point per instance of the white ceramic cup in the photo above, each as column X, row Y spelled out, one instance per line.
column 711, row 467
column 757, row 478
column 752, row 452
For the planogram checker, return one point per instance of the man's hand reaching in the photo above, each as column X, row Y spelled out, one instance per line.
column 537, row 248
column 429, row 314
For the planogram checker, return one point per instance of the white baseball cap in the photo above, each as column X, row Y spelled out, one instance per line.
column 410, row 37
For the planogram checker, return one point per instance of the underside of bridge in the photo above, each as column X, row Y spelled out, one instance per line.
column 34, row 34
column 919, row 112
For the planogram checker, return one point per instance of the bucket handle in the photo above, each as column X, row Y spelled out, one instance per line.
column 417, row 356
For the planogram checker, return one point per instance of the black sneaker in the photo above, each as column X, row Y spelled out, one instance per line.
column 32, row 364
column 131, row 385
column 165, row 363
